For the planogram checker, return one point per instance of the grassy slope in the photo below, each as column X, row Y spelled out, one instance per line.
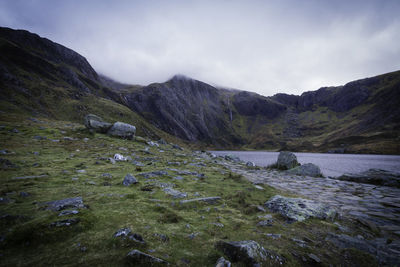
column 30, row 240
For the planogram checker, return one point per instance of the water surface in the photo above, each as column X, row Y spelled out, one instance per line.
column 330, row 164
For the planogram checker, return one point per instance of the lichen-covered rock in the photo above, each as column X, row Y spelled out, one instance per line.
column 129, row 180
column 123, row 130
column 175, row 193
column 143, row 259
column 299, row 209
column 286, row 160
column 373, row 176
column 57, row 205
column 307, row 169
column 247, row 252
column 222, row 262
column 95, row 123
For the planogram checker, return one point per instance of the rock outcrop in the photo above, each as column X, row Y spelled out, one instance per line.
column 373, row 176
column 118, row 129
column 97, row 124
column 299, row 209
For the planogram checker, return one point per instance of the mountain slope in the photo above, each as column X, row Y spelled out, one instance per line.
column 41, row 78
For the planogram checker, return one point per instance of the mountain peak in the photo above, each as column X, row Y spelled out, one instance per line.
column 180, row 77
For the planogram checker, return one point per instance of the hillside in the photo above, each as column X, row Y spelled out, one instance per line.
column 40, row 77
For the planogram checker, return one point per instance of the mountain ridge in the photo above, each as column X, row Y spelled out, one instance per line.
column 44, row 77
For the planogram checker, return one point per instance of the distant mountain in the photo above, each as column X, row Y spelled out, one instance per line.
column 38, row 76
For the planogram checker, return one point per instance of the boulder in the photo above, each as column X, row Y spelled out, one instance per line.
column 373, row 176
column 57, row 205
column 175, row 193
column 123, row 130
column 129, row 179
column 97, row 124
column 307, row 169
column 221, row 262
column 287, row 160
column 247, row 252
column 67, row 222
column 299, row 209
column 143, row 259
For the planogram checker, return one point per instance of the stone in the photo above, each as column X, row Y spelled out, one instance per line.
column 112, row 160
column 247, row 252
column 298, row 209
column 314, row 258
column 264, row 223
column 129, row 180
column 307, row 169
column 250, row 164
column 57, row 205
column 174, row 193
column 140, row 258
column 222, row 262
column 152, row 174
column 123, row 232
column 373, row 176
column 232, row 158
column 208, row 200
column 217, row 224
column 24, row 194
column 119, row 157
column 162, row 237
column 151, row 143
column 286, row 160
column 67, row 222
column 176, row 147
column 123, row 130
column 97, row 124
column 68, row 212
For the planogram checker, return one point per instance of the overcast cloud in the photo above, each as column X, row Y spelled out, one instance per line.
column 261, row 46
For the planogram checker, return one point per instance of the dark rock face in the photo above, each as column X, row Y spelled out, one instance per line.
column 373, row 176
column 250, row 104
column 49, row 50
column 184, row 107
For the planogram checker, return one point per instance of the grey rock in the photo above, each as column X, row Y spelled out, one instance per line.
column 151, row 143
column 217, row 224
column 68, row 212
column 119, row 157
column 250, row 164
column 57, row 205
column 174, row 193
column 67, row 222
column 307, row 169
column 24, row 194
column 107, row 175
column 232, row 158
column 314, row 258
column 81, row 171
column 152, row 174
column 274, row 236
column 193, row 235
column 93, row 122
column 264, row 223
column 112, row 160
column 123, row 232
column 176, row 163
column 137, row 163
column 122, row 130
column 162, row 237
column 208, row 200
column 4, row 200
column 176, row 147
column 286, row 160
column 137, row 257
column 298, row 209
column 38, row 137
column 222, row 262
column 373, row 176
column 247, row 252
column 30, row 177
column 129, row 180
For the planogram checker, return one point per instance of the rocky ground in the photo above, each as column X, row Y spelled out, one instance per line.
column 71, row 197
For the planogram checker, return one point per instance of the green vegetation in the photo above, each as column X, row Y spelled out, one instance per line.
column 191, row 229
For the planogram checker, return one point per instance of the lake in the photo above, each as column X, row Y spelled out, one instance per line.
column 330, row 164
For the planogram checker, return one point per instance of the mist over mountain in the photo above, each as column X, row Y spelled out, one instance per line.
column 38, row 76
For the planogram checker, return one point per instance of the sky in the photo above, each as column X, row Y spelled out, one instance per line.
column 267, row 47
